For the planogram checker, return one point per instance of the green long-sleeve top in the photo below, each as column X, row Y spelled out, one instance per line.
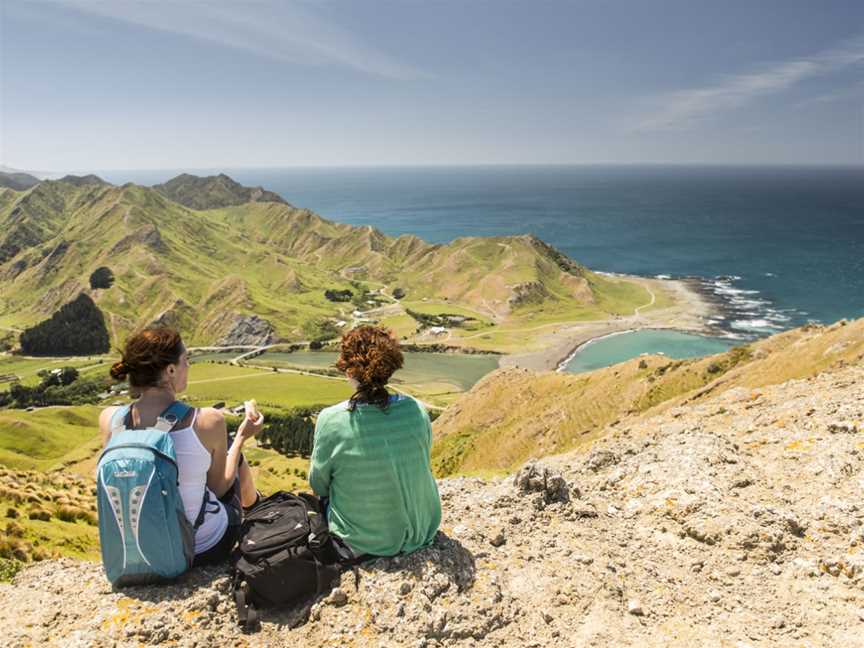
column 375, row 466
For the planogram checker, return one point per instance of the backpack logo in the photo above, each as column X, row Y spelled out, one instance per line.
column 125, row 473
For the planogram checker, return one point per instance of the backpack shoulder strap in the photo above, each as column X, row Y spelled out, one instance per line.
column 172, row 416
column 118, row 419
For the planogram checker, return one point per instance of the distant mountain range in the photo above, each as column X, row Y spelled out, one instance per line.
column 17, row 180
column 208, row 254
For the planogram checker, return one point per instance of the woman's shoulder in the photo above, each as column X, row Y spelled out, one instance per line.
column 333, row 411
column 209, row 419
column 408, row 402
column 106, row 415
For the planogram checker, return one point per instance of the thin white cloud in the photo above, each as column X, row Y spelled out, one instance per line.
column 856, row 90
column 686, row 109
column 279, row 30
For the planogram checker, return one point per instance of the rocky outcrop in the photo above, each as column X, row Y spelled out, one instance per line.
column 249, row 330
column 735, row 521
column 147, row 236
column 174, row 316
column 529, row 292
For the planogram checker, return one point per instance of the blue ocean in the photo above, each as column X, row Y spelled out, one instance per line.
column 780, row 246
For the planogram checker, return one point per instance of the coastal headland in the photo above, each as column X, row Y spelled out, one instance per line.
column 684, row 308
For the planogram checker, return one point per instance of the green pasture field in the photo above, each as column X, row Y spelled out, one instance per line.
column 402, row 325
column 273, row 471
column 26, row 368
column 198, row 358
column 48, row 438
column 211, row 383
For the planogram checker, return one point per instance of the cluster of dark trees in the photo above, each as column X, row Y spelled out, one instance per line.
column 102, row 278
column 62, row 387
column 442, row 319
column 398, row 293
column 293, row 433
column 78, row 328
column 319, row 330
column 338, row 295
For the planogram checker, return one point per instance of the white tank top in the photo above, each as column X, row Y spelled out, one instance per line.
column 193, row 462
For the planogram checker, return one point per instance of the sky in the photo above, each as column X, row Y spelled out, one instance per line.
column 154, row 84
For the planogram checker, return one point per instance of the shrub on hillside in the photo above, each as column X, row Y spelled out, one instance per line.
column 89, row 517
column 74, row 513
column 8, row 569
column 102, row 278
column 67, row 513
column 336, row 295
column 12, row 512
column 78, row 328
column 14, row 529
column 14, row 548
column 740, row 354
column 320, row 329
column 11, row 493
column 39, row 514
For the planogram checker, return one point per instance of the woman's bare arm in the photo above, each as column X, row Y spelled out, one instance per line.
column 211, row 429
column 105, row 424
column 224, row 461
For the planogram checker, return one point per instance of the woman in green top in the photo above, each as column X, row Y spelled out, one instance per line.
column 371, row 455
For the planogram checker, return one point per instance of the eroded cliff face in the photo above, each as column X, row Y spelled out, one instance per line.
column 732, row 521
column 249, row 330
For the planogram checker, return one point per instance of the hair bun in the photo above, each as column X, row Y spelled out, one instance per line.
column 119, row 370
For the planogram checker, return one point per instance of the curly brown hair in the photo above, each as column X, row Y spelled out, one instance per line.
column 370, row 355
column 146, row 354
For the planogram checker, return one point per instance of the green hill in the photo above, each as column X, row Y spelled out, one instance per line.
column 213, row 192
column 208, row 270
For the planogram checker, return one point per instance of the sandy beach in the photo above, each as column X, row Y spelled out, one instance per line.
column 689, row 313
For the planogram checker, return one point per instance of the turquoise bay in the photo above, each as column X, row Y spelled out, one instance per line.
column 619, row 347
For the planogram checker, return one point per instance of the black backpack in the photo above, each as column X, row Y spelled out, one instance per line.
column 285, row 555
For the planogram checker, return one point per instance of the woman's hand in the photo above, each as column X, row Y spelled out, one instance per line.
column 250, row 428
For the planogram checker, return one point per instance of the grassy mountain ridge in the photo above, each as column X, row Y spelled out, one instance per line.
column 512, row 415
column 19, row 181
column 203, row 269
column 212, row 192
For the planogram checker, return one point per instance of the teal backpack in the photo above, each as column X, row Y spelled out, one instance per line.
column 143, row 531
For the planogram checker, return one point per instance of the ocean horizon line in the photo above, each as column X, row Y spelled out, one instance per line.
column 479, row 165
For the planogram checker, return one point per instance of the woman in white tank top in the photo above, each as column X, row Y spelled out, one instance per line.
column 157, row 366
